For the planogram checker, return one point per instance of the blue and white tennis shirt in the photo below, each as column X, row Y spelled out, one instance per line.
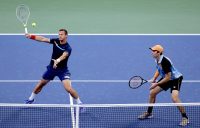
column 164, row 65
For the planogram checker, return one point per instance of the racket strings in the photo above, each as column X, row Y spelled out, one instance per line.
column 136, row 81
column 23, row 13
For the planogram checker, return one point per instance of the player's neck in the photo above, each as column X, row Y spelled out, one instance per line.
column 63, row 41
column 157, row 58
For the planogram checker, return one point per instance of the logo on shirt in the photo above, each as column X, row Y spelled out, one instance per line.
column 58, row 46
column 66, row 77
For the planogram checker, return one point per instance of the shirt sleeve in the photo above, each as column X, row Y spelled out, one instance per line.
column 166, row 65
column 52, row 40
column 68, row 50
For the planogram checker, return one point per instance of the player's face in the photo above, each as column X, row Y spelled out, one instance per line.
column 155, row 53
column 62, row 36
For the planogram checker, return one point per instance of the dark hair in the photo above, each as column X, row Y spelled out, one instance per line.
column 66, row 33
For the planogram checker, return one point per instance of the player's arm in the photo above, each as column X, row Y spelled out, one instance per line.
column 38, row 38
column 167, row 70
column 165, row 79
column 155, row 76
column 58, row 60
column 63, row 56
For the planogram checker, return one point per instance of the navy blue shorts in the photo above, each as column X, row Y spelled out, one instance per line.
column 172, row 84
column 62, row 74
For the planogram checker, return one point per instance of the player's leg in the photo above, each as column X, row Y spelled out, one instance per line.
column 153, row 94
column 70, row 90
column 176, row 99
column 152, row 99
column 40, row 85
column 64, row 76
column 47, row 76
column 36, row 90
column 176, row 85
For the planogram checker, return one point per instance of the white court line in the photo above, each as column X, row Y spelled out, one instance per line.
column 102, row 34
column 98, row 105
column 84, row 81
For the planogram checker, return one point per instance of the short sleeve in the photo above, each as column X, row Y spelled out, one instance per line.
column 52, row 40
column 68, row 50
column 166, row 65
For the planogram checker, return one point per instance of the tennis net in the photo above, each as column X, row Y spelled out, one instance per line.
column 165, row 115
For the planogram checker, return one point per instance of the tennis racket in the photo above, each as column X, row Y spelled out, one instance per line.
column 23, row 13
column 136, row 82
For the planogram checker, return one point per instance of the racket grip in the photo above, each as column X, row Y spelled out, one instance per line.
column 26, row 30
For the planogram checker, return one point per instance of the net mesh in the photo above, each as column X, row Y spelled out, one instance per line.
column 96, row 116
column 22, row 13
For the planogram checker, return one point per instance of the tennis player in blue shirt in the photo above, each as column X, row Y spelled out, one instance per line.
column 171, row 79
column 58, row 65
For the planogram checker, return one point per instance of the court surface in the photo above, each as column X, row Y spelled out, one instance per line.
column 100, row 66
column 97, row 57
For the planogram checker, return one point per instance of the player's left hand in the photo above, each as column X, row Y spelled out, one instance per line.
column 55, row 63
column 153, row 85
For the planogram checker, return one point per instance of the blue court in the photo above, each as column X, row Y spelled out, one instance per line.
column 97, row 57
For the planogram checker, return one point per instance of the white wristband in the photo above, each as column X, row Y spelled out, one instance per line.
column 58, row 60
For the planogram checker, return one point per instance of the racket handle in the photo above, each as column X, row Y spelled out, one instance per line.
column 26, row 30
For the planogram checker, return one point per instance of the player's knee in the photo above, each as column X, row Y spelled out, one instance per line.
column 152, row 93
column 175, row 98
column 69, row 89
column 43, row 83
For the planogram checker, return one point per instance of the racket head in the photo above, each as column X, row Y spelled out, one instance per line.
column 136, row 82
column 23, row 13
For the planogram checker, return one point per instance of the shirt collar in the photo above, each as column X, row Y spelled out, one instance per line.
column 160, row 59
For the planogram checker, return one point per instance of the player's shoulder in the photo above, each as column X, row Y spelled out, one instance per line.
column 53, row 40
column 165, row 60
column 68, row 46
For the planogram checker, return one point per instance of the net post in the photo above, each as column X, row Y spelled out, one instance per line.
column 72, row 111
column 77, row 116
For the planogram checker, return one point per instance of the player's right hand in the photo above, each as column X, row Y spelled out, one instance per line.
column 55, row 63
